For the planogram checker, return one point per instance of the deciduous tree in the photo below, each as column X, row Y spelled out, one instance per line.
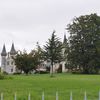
column 84, row 43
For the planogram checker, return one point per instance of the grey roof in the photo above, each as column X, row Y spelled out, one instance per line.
column 4, row 51
column 12, row 51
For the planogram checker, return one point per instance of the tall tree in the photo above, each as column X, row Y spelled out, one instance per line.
column 84, row 43
column 53, row 50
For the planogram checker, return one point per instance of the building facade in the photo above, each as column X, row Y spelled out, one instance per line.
column 7, row 60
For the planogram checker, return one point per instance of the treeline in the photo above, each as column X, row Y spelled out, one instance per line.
column 80, row 51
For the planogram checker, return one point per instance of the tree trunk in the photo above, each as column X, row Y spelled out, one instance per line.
column 51, row 71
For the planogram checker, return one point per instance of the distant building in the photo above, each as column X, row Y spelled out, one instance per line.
column 7, row 62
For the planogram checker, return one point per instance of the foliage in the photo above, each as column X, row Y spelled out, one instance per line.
column 1, row 76
column 5, row 73
column 84, row 42
column 28, row 62
column 24, row 62
column 53, row 50
column 37, row 55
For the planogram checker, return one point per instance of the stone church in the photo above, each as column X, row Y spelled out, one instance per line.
column 7, row 62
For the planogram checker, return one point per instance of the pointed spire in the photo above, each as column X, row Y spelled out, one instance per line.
column 12, row 51
column 64, row 41
column 4, row 51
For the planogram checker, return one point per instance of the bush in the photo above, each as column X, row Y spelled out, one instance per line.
column 1, row 76
column 17, row 73
column 5, row 73
column 43, row 72
column 4, row 76
column 76, row 72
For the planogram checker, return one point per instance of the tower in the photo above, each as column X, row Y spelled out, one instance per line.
column 7, row 60
column 3, row 59
column 12, row 51
column 64, row 44
column 64, row 53
column 11, row 68
column 64, row 41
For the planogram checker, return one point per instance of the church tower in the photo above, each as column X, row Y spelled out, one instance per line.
column 63, row 53
column 12, row 51
column 3, row 59
column 7, row 61
column 11, row 68
column 64, row 44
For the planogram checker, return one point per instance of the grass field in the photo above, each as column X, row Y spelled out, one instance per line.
column 63, row 83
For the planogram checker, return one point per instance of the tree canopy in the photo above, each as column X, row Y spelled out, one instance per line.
column 28, row 62
column 53, row 50
column 24, row 62
column 84, row 43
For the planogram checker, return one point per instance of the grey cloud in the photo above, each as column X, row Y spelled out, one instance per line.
column 27, row 21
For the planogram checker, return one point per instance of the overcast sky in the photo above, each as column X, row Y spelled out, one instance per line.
column 25, row 22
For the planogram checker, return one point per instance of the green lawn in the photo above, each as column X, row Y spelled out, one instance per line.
column 63, row 83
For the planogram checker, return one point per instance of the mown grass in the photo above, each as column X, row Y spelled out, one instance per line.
column 22, row 85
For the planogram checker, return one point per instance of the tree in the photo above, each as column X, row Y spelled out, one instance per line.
column 84, row 42
column 29, row 62
column 53, row 50
column 24, row 62
column 37, row 55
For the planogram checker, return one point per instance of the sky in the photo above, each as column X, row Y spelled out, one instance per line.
column 25, row 22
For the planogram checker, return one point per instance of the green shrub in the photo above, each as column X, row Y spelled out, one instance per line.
column 17, row 73
column 2, row 76
column 76, row 72
column 5, row 73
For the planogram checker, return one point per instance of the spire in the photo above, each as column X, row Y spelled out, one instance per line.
column 4, row 51
column 64, row 41
column 12, row 51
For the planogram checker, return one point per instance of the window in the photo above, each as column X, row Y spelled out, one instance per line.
column 12, row 63
column 7, row 62
column 11, row 70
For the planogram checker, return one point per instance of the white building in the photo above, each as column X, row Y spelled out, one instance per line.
column 7, row 62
